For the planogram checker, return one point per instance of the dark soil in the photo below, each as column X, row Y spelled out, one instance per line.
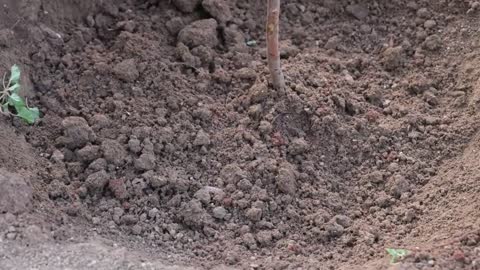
column 159, row 130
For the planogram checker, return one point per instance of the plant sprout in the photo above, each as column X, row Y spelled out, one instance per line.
column 11, row 103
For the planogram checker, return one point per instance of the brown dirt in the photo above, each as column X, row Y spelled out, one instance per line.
column 159, row 131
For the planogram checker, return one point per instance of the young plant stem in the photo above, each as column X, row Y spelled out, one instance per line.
column 273, row 48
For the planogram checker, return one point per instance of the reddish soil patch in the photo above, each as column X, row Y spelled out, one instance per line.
column 159, row 129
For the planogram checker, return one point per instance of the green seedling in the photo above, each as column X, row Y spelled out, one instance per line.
column 251, row 43
column 11, row 103
column 397, row 254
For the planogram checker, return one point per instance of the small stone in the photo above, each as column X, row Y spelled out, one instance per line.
column 219, row 212
column 201, row 139
column 254, row 214
column 126, row 70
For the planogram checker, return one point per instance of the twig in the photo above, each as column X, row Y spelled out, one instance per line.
column 15, row 24
column 273, row 54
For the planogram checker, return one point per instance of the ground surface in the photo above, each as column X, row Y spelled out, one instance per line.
column 161, row 141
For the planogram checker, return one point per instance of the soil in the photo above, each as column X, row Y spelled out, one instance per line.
column 162, row 141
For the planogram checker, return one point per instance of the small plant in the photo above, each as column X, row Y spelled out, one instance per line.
column 397, row 254
column 11, row 103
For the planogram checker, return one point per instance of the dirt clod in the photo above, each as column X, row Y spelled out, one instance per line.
column 15, row 193
column 118, row 188
column 202, row 32
column 194, row 215
column 77, row 132
column 432, row 43
column 219, row 212
column 298, row 146
column 358, row 11
column 393, row 58
column 201, row 139
column 96, row 182
column 126, row 70
column 113, row 152
column 286, row 179
column 186, row 6
column 145, row 162
column 254, row 214
column 219, row 9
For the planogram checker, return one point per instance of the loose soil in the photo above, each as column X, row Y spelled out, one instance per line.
column 162, row 141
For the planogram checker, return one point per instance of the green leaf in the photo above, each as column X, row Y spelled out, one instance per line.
column 251, row 43
column 30, row 115
column 397, row 254
column 5, row 107
column 14, row 88
column 14, row 75
column 16, row 101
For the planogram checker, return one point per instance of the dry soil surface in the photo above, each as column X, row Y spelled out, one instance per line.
column 161, row 142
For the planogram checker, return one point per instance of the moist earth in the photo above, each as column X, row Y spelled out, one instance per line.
column 159, row 130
